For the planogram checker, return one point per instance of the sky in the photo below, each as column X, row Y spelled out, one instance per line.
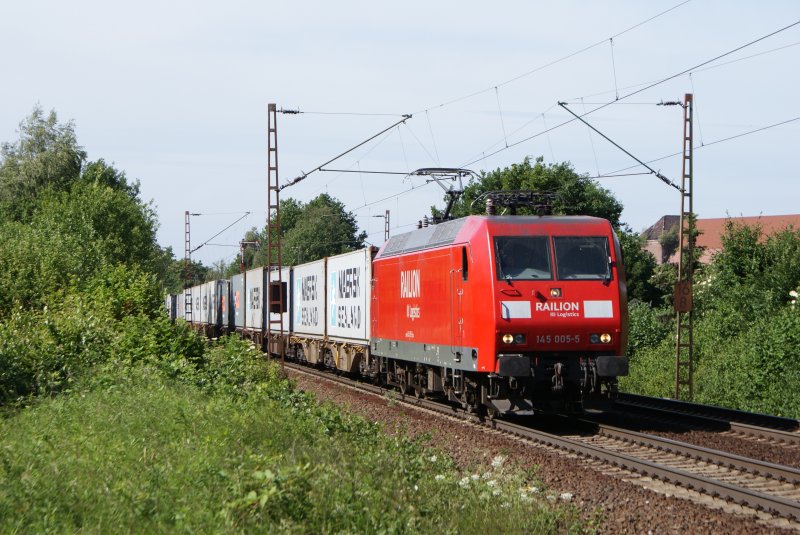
column 175, row 94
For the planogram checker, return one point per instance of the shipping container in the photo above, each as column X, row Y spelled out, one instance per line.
column 254, row 279
column 180, row 306
column 308, row 299
column 285, row 306
column 238, row 301
column 195, row 315
column 223, row 292
column 169, row 306
column 349, row 278
column 204, row 296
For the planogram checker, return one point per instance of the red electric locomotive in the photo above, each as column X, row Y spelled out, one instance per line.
column 502, row 313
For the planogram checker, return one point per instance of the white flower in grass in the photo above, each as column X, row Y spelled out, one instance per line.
column 475, row 477
column 551, row 498
column 464, row 483
column 505, row 505
column 491, row 483
column 496, row 492
column 566, row 496
column 498, row 461
column 433, row 458
column 439, row 477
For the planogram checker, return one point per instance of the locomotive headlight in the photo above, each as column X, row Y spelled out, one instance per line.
column 519, row 338
column 604, row 338
column 508, row 338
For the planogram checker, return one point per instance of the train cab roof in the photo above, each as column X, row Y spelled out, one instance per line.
column 464, row 229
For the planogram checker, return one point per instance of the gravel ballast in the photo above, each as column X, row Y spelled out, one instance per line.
column 624, row 502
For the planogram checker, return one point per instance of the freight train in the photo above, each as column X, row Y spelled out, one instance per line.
column 498, row 313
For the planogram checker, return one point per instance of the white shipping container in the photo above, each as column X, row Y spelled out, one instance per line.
column 254, row 280
column 349, row 279
column 196, row 314
column 203, row 318
column 212, row 303
column 180, row 305
column 308, row 299
column 286, row 280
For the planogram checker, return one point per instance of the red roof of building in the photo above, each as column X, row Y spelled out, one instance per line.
column 712, row 230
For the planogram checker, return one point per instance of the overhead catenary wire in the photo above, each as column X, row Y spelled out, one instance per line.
column 694, row 71
column 554, row 62
column 614, row 68
column 304, row 175
column 636, row 92
column 729, row 138
column 500, row 111
column 353, row 113
column 218, row 233
column 653, row 171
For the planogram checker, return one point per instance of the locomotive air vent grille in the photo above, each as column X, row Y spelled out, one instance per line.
column 396, row 244
column 424, row 238
column 446, row 232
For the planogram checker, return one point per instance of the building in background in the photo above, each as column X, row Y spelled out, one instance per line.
column 662, row 237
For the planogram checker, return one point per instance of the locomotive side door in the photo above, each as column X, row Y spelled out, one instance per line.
column 457, row 257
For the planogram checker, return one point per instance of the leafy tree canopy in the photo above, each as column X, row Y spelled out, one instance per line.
column 575, row 194
column 47, row 154
column 309, row 231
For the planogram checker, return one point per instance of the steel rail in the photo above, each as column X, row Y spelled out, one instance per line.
column 715, row 424
column 775, row 505
column 766, row 426
column 700, row 453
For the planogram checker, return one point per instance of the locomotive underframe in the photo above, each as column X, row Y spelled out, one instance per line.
column 551, row 382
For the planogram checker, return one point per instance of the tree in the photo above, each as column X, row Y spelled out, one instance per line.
column 323, row 229
column 574, row 194
column 640, row 266
column 309, row 231
column 101, row 173
column 47, row 154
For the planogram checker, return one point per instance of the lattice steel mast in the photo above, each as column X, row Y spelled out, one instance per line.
column 274, row 326
column 187, row 269
column 683, row 287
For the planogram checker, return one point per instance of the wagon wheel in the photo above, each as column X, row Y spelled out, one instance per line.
column 419, row 391
column 469, row 402
column 404, row 383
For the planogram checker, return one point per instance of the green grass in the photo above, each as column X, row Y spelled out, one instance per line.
column 137, row 452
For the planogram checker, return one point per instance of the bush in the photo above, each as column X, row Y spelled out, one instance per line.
column 647, row 326
column 757, row 370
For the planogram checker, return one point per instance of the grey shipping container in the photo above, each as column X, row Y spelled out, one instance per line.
column 238, row 301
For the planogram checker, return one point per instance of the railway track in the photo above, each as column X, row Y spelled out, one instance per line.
column 775, row 429
column 756, row 484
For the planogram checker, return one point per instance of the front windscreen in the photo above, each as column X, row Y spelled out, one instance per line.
column 522, row 257
column 582, row 258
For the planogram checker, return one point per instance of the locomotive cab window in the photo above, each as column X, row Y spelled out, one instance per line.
column 522, row 257
column 582, row 258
